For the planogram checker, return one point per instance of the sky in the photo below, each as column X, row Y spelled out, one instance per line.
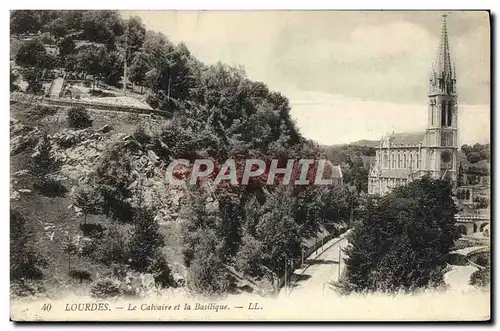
column 349, row 75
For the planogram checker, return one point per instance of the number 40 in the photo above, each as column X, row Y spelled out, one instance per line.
column 46, row 307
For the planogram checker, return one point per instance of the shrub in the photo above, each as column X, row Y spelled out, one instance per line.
column 38, row 112
column 78, row 118
column 480, row 277
column 161, row 271
column 80, row 275
column 25, row 261
column 141, row 136
column 105, row 288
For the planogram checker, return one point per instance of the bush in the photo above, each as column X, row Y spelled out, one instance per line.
column 38, row 112
column 105, row 288
column 141, row 136
column 25, row 261
column 481, row 277
column 78, row 118
column 80, row 275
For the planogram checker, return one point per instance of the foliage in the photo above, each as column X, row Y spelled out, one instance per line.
column 402, row 239
column 477, row 152
column 44, row 164
column 33, row 54
column 111, row 178
column 105, row 289
column 34, row 78
column 88, row 200
column 90, row 59
column 481, row 277
column 79, row 118
column 24, row 21
column 25, row 261
column 145, row 240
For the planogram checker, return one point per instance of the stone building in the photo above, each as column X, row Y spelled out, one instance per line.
column 403, row 157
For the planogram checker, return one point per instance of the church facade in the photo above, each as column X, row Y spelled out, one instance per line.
column 403, row 157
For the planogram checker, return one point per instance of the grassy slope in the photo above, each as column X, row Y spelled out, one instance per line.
column 49, row 215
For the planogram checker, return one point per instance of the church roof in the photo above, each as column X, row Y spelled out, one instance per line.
column 407, row 139
column 395, row 173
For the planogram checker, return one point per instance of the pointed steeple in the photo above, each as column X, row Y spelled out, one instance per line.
column 443, row 61
column 442, row 77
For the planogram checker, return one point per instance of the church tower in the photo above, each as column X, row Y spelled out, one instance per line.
column 441, row 133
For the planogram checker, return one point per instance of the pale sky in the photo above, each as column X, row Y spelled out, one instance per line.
column 349, row 75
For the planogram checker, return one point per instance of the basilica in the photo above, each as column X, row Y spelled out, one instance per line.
column 403, row 157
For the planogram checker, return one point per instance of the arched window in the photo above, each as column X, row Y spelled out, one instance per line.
column 404, row 160
column 393, row 157
column 411, row 160
column 418, row 161
column 399, row 160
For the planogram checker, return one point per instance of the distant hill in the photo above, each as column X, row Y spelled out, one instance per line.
column 366, row 143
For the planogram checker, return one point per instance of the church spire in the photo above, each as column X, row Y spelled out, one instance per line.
column 443, row 66
column 443, row 75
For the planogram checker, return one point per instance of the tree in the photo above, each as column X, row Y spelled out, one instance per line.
column 32, row 54
column 401, row 240
column 43, row 162
column 24, row 21
column 88, row 200
column 134, row 36
column 102, row 26
column 139, row 69
column 90, row 59
column 145, row 241
column 112, row 178
column 112, row 68
column 66, row 47
column 278, row 232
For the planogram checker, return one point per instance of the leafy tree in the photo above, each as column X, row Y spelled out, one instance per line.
column 90, row 59
column 278, row 232
column 66, row 47
column 58, row 27
column 402, row 239
column 145, row 241
column 134, row 36
column 112, row 178
column 88, row 200
column 139, row 69
column 112, row 68
column 32, row 54
column 102, row 26
column 24, row 21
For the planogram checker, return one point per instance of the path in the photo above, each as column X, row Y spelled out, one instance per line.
column 56, row 87
column 322, row 267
